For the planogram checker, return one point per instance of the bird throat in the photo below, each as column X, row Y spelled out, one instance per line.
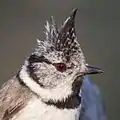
column 72, row 101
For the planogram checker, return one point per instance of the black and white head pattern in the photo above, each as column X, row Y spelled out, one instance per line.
column 56, row 63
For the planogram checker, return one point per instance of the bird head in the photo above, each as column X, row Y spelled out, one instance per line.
column 58, row 63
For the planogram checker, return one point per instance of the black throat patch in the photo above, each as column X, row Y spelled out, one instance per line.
column 71, row 102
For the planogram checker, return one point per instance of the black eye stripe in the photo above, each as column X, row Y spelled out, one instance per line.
column 35, row 58
column 39, row 59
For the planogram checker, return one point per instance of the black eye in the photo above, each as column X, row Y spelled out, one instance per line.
column 60, row 67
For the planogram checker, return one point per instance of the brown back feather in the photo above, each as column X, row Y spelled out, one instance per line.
column 13, row 97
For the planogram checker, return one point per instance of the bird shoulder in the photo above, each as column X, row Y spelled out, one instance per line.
column 13, row 97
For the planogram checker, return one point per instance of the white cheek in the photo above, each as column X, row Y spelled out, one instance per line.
column 54, row 79
column 58, row 76
column 64, row 88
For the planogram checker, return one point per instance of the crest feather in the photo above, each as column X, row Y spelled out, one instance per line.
column 63, row 39
column 51, row 31
column 67, row 33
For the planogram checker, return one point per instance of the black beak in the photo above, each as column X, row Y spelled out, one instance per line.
column 93, row 70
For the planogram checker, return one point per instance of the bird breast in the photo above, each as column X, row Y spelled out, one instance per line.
column 37, row 110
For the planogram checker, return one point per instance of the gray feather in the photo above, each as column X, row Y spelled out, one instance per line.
column 13, row 97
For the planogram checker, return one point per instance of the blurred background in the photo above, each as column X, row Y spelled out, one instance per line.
column 98, row 29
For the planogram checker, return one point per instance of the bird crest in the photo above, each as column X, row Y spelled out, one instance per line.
column 60, row 40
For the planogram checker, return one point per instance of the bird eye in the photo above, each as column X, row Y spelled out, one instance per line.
column 60, row 67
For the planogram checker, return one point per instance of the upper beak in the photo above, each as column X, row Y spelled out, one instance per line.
column 93, row 70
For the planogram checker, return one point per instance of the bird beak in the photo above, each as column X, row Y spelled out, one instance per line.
column 93, row 70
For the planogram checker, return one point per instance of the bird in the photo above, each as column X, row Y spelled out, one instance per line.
column 48, row 85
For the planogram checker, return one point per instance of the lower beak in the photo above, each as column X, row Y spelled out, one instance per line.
column 92, row 70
